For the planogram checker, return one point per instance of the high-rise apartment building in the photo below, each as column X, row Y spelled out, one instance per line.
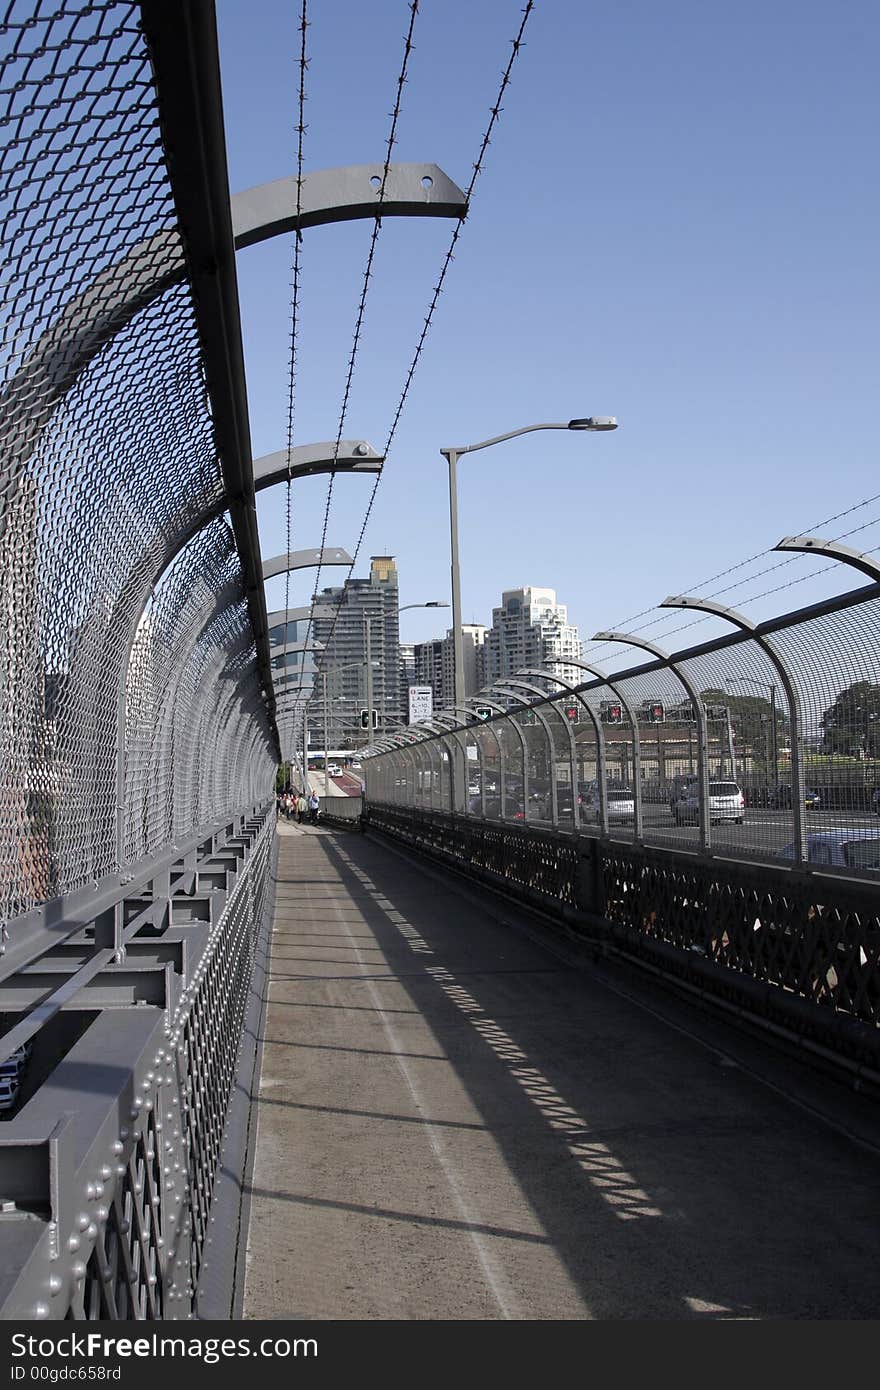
column 359, row 601
column 435, row 664
column 529, row 629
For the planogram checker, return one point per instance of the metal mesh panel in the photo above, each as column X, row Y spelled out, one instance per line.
column 792, row 747
column 187, row 716
column 108, row 462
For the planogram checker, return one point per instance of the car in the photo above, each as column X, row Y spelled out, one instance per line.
column 513, row 807
column 334, row 770
column 855, row 848
column 779, row 798
column 355, row 767
column 10, row 1089
column 726, row 803
column 682, row 784
column 11, row 1073
column 620, row 801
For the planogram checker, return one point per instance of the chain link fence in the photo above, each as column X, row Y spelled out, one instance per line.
column 137, row 757
column 108, row 679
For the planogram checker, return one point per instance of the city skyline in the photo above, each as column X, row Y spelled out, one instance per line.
column 695, row 286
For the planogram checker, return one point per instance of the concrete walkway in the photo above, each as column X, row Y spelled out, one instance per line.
column 457, row 1121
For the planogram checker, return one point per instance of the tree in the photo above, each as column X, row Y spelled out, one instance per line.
column 851, row 726
column 750, row 716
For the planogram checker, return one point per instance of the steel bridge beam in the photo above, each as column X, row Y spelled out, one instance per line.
column 184, row 52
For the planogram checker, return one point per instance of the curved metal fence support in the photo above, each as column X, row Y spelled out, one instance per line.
column 632, row 716
column 493, row 705
column 305, row 560
column 477, row 728
column 633, row 640
column 795, row 713
column 444, row 732
column 600, row 747
column 510, row 688
column 455, row 728
column 833, row 550
column 573, row 763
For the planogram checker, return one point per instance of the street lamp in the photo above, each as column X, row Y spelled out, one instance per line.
column 594, row 423
column 765, row 685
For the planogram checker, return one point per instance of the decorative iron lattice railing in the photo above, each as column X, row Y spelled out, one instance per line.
column 796, row 948
column 137, row 742
column 731, row 839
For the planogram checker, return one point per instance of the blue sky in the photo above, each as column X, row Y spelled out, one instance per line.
column 677, row 224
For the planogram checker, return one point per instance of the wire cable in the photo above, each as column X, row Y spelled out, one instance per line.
column 477, row 168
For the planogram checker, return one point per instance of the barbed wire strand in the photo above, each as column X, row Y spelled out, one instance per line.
column 362, row 303
column 477, row 168
column 294, row 308
column 751, row 598
column 747, row 579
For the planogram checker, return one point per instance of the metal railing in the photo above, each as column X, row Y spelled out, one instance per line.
column 656, row 812
column 681, row 751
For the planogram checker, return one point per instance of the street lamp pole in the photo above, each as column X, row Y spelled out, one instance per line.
column 368, row 622
column 595, row 423
column 326, row 738
column 774, row 746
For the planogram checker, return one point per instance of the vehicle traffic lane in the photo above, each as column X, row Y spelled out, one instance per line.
column 762, row 831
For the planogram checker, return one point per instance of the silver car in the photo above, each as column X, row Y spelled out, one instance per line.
column 621, row 805
column 726, row 803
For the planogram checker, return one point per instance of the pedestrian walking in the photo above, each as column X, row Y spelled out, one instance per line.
column 302, row 807
column 314, row 806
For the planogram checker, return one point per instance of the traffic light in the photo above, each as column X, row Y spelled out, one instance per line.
column 572, row 713
column 612, row 713
column 365, row 719
column 653, row 712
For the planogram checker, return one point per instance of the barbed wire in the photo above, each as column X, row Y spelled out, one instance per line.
column 294, row 304
column 751, row 598
column 477, row 168
column 362, row 303
column 749, row 578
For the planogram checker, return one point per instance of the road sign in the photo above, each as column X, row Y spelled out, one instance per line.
column 482, row 712
column 421, row 703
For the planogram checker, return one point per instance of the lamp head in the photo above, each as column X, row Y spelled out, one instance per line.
column 596, row 423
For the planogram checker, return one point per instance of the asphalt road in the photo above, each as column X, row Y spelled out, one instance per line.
column 761, row 830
